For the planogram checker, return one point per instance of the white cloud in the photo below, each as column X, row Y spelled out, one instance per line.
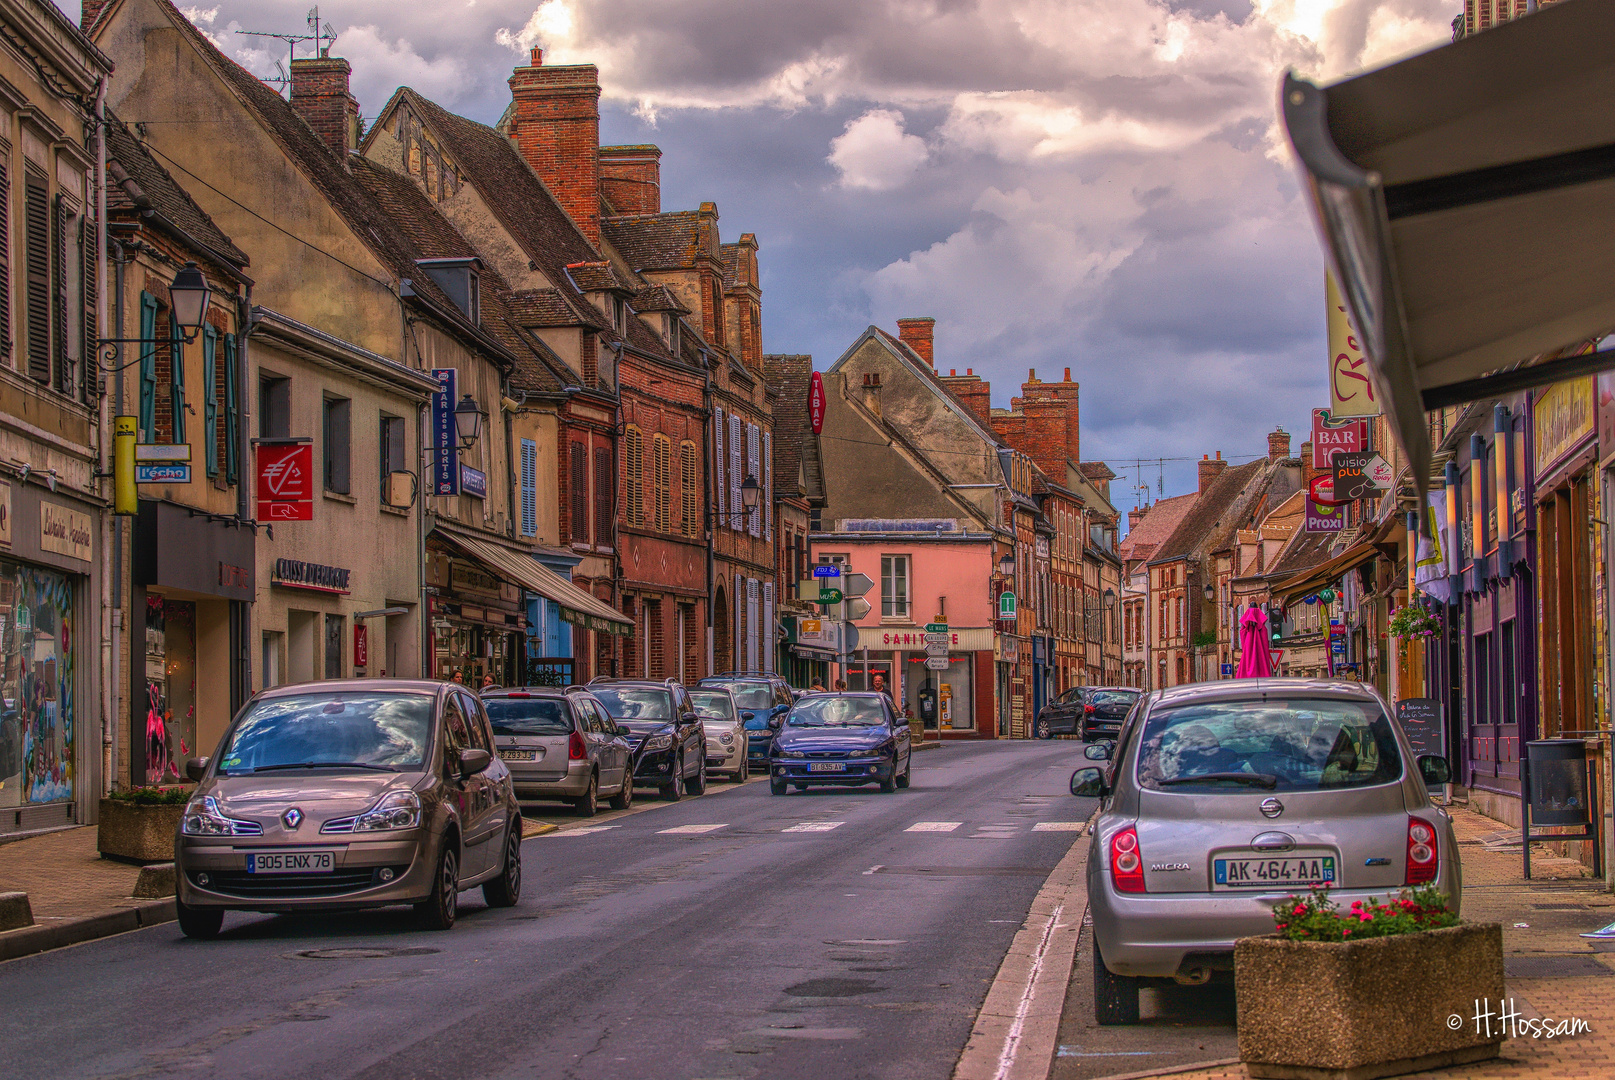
column 875, row 152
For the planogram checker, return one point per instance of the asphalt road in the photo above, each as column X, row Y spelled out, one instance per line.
column 846, row 934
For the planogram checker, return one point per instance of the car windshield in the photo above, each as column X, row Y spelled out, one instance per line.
column 1113, row 697
column 528, row 716
column 826, row 711
column 1289, row 745
column 711, row 705
column 330, row 729
column 751, row 695
column 635, row 704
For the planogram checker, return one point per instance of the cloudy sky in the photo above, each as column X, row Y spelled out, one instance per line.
column 1096, row 184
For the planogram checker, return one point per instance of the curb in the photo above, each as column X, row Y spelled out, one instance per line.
column 38, row 939
column 935, row 745
column 537, row 828
column 1178, row 1070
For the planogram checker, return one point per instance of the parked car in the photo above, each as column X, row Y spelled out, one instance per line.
column 561, row 745
column 1086, row 711
column 668, row 740
column 347, row 794
column 726, row 739
column 843, row 740
column 763, row 699
column 1220, row 799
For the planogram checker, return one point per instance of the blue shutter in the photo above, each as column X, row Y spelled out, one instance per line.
column 176, row 395
column 529, row 487
column 232, row 412
column 210, row 381
column 148, row 368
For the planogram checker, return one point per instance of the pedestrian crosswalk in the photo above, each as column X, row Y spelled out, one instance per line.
column 814, row 826
column 985, row 830
column 693, row 829
column 934, row 826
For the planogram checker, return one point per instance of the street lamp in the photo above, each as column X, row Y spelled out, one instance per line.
column 1211, row 592
column 1110, row 598
column 189, row 296
column 467, row 421
column 750, row 491
column 1006, row 565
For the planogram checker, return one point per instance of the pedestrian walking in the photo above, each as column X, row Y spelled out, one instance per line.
column 817, row 687
column 841, row 686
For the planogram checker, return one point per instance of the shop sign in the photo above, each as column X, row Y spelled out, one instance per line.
column 1351, row 393
column 464, row 577
column 1359, row 476
column 473, row 482
column 361, row 645
column 154, row 452
column 1605, row 390
column 445, row 477
column 1006, row 605
column 827, row 570
column 1323, row 518
column 816, row 402
column 1348, row 436
column 296, row 574
column 5, row 513
column 1564, row 417
column 286, row 481
column 176, row 473
column 63, row 531
column 809, row 628
column 961, row 640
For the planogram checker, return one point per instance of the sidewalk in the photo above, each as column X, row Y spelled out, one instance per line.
column 75, row 894
column 1552, row 972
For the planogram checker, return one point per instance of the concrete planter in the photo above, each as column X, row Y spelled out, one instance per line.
column 137, row 834
column 1364, row 1009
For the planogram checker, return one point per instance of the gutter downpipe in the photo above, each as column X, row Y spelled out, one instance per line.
column 706, row 456
column 109, row 620
column 244, row 484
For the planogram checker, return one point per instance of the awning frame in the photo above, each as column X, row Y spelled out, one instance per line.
column 577, row 607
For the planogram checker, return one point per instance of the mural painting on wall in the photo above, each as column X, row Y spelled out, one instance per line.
column 36, row 651
column 170, row 687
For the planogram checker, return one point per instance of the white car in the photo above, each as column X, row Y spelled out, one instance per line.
column 726, row 739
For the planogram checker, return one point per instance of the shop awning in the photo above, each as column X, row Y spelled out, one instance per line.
column 577, row 607
column 1326, row 574
column 1465, row 198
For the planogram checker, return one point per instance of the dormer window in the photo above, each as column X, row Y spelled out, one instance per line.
column 672, row 335
column 619, row 315
column 460, row 280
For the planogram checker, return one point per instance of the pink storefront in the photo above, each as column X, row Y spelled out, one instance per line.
column 923, row 578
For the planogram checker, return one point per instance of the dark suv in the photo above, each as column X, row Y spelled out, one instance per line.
column 1086, row 711
column 763, row 699
column 661, row 724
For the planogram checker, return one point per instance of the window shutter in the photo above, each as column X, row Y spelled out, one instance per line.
column 720, row 471
column 37, row 212
column 64, row 381
column 753, row 625
column 148, row 368
column 689, row 501
column 95, row 381
column 605, row 488
column 768, row 626
column 210, row 409
column 232, row 413
column 754, row 470
column 736, row 507
column 768, row 485
column 740, row 621
column 663, row 479
column 5, row 251
column 529, row 478
column 579, row 494
column 176, row 395
column 633, row 477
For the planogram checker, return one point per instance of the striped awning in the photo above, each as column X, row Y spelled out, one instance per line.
column 577, row 607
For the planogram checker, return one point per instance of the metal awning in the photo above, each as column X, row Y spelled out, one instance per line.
column 1325, row 574
column 577, row 606
column 1465, row 198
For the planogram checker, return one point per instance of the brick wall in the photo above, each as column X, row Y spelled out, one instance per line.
column 917, row 334
column 556, row 125
column 631, row 178
column 974, row 391
column 320, row 96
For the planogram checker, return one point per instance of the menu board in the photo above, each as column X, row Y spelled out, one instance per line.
column 1421, row 719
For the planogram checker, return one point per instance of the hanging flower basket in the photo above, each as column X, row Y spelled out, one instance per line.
column 1413, row 622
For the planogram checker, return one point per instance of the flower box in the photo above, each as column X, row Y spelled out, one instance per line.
column 136, row 833
column 1379, row 1006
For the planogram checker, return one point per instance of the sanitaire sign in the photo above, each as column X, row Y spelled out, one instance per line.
column 961, row 640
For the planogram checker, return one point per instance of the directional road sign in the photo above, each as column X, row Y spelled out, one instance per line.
column 857, row 584
column 938, row 639
column 857, row 608
column 937, row 663
column 936, row 628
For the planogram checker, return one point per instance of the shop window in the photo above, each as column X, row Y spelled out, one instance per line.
column 578, row 481
column 894, row 587
column 336, row 431
column 170, row 705
column 393, row 454
column 38, row 663
column 1511, row 690
column 274, row 401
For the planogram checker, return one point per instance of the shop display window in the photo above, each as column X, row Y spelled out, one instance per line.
column 170, row 704
column 37, row 725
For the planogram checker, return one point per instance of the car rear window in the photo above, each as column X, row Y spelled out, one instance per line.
column 712, row 706
column 635, row 704
column 1113, row 697
column 1284, row 744
column 752, row 695
column 528, row 716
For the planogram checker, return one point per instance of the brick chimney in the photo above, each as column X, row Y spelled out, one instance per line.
column 974, row 391
column 1135, row 515
column 1278, row 444
column 320, row 96
column 871, row 391
column 1210, row 469
column 555, row 121
column 631, row 178
column 916, row 334
column 88, row 12
column 1069, row 395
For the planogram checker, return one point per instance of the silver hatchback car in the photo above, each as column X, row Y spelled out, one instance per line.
column 1221, row 799
column 561, row 745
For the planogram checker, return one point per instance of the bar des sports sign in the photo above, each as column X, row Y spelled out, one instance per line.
column 286, row 481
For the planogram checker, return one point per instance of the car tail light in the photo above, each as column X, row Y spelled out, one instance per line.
column 519, row 694
column 1088, row 709
column 1422, row 852
column 1126, row 865
column 575, row 748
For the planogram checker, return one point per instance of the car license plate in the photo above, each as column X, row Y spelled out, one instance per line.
column 519, row 755
column 827, row 766
column 1284, row 873
column 291, row 862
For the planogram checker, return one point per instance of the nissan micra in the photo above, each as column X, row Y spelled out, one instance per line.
column 347, row 794
column 1221, row 799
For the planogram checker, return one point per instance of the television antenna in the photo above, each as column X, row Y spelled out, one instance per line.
column 319, row 32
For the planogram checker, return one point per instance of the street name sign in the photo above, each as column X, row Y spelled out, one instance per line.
column 936, row 663
column 936, row 628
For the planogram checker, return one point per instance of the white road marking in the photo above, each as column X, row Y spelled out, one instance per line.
column 814, row 826
column 1058, row 826
column 934, row 826
column 704, row 828
column 587, row 830
column 1012, row 1042
column 873, row 869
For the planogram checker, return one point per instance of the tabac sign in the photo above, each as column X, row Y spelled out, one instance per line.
column 816, row 402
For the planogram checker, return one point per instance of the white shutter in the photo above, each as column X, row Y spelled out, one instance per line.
column 719, row 462
column 735, row 474
column 752, row 625
column 768, row 485
column 753, row 453
column 768, row 626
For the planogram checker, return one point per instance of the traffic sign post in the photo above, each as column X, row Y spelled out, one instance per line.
column 854, row 607
column 830, row 596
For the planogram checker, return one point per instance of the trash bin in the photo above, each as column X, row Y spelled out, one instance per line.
column 1558, row 774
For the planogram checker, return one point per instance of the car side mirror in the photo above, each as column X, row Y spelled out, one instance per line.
column 1099, row 751
column 1089, row 784
column 196, row 768
column 473, row 762
column 748, row 716
column 1435, row 770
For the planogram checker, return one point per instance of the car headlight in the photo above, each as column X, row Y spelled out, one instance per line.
column 396, row 810
column 726, row 738
column 658, row 742
column 203, row 818
column 791, row 753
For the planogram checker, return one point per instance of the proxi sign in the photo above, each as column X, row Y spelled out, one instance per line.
column 816, row 402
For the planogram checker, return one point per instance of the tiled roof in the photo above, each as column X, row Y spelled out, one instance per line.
column 730, row 254
column 790, row 376
column 1095, row 470
column 595, row 277
column 1303, row 552
column 161, row 193
column 656, row 298
column 1218, row 507
column 540, row 307
column 1156, row 526
column 667, row 241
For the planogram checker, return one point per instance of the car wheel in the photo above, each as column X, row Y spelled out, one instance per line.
column 743, row 773
column 776, row 787
column 698, row 786
column 908, row 773
column 889, row 784
column 674, row 790
column 1044, row 730
column 506, row 889
column 624, row 798
column 1115, row 997
column 589, row 803
column 203, row 924
column 437, row 911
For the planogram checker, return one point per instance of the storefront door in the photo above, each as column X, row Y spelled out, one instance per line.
column 38, row 722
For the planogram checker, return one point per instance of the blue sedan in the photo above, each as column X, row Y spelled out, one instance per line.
column 840, row 740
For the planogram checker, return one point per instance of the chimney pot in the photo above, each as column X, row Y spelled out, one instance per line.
column 970, row 371
column 952, row 372
column 537, row 56
column 1067, row 374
